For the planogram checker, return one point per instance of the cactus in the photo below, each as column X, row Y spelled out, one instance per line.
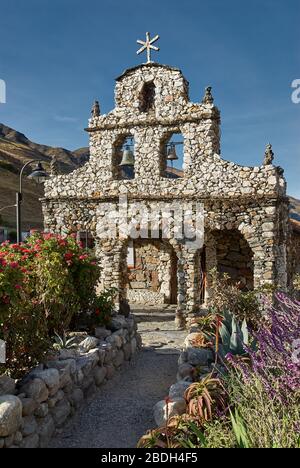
column 235, row 338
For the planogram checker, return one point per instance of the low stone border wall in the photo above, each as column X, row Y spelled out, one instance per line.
column 191, row 360
column 31, row 410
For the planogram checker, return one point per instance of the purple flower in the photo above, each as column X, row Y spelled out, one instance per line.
column 273, row 361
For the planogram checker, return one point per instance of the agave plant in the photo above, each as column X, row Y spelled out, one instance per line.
column 63, row 342
column 235, row 338
column 205, row 397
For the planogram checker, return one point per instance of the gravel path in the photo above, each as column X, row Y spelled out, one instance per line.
column 123, row 410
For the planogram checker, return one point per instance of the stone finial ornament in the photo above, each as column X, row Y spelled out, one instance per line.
column 208, row 97
column 95, row 109
column 54, row 169
column 269, row 155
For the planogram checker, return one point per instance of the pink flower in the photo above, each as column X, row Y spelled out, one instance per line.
column 83, row 257
column 17, row 286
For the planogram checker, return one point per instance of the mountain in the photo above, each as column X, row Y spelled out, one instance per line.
column 15, row 150
column 295, row 208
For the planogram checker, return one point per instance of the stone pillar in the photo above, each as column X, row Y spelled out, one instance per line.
column 181, row 292
column 193, row 282
column 188, row 285
column 112, row 259
column 211, row 263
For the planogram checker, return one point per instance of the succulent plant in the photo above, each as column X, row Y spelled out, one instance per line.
column 235, row 338
column 63, row 342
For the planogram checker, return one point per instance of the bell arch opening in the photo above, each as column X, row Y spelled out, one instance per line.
column 123, row 160
column 172, row 155
column 147, row 97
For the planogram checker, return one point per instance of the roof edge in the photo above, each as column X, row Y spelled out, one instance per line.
column 149, row 65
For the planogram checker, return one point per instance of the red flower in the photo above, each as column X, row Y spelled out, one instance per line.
column 14, row 265
column 83, row 257
column 68, row 256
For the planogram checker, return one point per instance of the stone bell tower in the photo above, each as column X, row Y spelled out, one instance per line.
column 245, row 208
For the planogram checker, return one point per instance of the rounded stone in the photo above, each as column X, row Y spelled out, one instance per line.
column 164, row 411
column 36, row 389
column 10, row 415
column 178, row 389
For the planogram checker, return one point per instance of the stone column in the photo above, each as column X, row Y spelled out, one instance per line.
column 181, row 292
column 211, row 263
column 188, row 285
column 112, row 259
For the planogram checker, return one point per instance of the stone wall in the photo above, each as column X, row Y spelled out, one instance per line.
column 235, row 257
column 294, row 250
column 32, row 410
column 192, row 360
column 150, row 277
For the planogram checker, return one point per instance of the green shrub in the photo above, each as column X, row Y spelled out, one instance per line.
column 266, row 422
column 227, row 296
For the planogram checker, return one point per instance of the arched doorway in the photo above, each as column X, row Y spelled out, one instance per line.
column 235, row 257
column 151, row 272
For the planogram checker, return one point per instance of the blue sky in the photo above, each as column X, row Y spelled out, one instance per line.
column 58, row 56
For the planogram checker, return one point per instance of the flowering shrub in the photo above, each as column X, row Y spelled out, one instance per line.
column 44, row 283
column 266, row 393
column 104, row 306
column 274, row 361
column 262, row 390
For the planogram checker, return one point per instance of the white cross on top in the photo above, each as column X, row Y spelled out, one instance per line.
column 148, row 45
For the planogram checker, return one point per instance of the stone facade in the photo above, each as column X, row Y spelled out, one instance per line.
column 250, row 201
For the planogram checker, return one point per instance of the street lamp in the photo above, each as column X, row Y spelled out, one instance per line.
column 39, row 175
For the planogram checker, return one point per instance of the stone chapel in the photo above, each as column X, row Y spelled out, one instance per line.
column 246, row 209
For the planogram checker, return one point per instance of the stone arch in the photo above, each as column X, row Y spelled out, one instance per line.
column 172, row 140
column 123, row 142
column 152, row 278
column 147, row 97
column 230, row 251
column 235, row 257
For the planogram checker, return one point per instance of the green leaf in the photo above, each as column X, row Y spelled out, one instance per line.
column 245, row 333
column 239, row 430
column 234, row 337
column 225, row 336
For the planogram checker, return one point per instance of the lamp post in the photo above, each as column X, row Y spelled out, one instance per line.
column 39, row 175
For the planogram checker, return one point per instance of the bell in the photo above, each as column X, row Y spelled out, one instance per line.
column 128, row 157
column 172, row 156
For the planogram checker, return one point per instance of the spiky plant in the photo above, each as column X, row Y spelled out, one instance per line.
column 63, row 342
column 205, row 397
